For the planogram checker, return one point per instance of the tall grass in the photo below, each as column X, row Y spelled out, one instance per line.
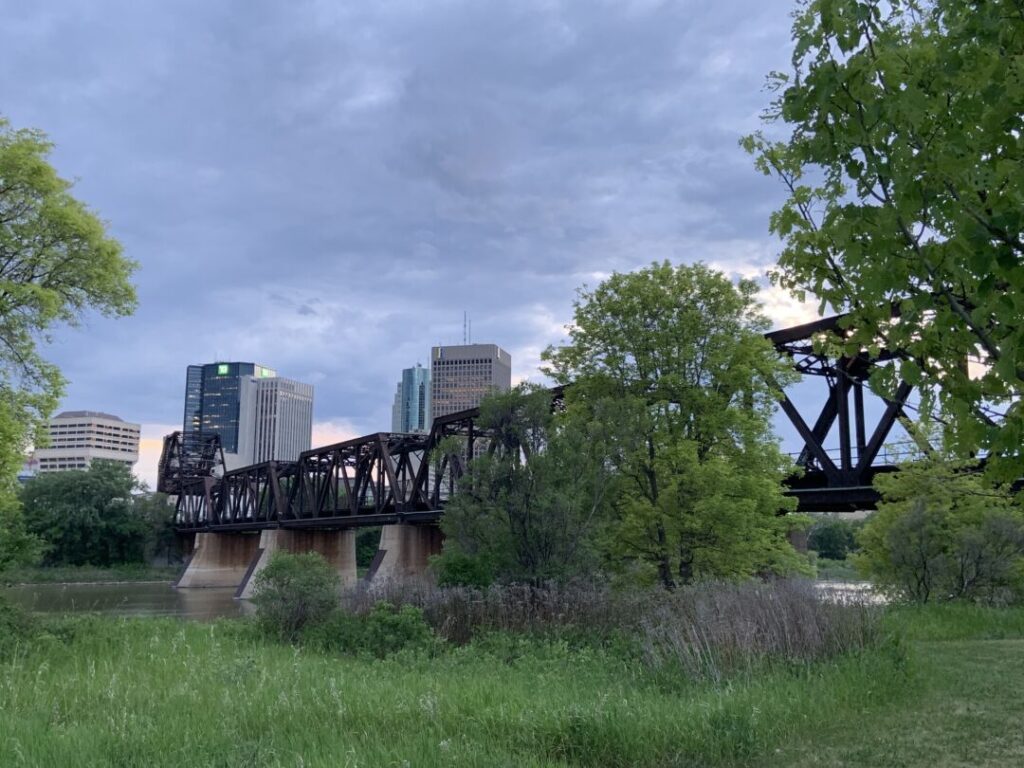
column 157, row 693
column 721, row 629
column 707, row 631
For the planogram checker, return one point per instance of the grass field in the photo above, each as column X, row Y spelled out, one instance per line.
column 966, row 710
column 146, row 692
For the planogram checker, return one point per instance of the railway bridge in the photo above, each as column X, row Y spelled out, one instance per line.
column 235, row 520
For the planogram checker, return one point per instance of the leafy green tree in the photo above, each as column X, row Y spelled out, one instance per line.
column 87, row 517
column 56, row 262
column 905, row 191
column 367, row 544
column 527, row 510
column 158, row 514
column 17, row 545
column 942, row 533
column 673, row 361
column 832, row 538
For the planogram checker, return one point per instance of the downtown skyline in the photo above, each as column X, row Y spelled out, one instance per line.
column 328, row 189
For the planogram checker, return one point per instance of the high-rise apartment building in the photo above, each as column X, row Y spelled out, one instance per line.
column 257, row 415
column 78, row 437
column 411, row 409
column 461, row 375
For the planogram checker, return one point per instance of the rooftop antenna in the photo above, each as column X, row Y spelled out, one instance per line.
column 465, row 332
column 471, row 330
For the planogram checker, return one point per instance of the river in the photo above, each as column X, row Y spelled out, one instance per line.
column 161, row 599
column 129, row 599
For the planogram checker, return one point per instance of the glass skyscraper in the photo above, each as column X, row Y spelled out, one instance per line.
column 213, row 397
column 256, row 415
column 411, row 409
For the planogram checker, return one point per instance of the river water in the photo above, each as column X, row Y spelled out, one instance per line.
column 161, row 599
column 129, row 599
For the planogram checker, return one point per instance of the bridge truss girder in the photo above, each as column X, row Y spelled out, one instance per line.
column 846, row 484
column 376, row 479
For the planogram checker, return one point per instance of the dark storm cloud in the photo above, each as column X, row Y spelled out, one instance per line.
column 324, row 187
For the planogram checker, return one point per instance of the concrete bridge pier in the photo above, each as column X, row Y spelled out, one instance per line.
column 219, row 560
column 405, row 552
column 338, row 548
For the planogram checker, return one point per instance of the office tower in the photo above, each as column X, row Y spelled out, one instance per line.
column 78, row 437
column 461, row 375
column 411, row 409
column 281, row 411
column 257, row 415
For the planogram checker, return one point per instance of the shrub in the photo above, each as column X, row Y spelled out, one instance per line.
column 385, row 630
column 339, row 632
column 391, row 628
column 294, row 592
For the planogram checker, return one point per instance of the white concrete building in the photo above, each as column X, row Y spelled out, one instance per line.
column 275, row 420
column 78, row 437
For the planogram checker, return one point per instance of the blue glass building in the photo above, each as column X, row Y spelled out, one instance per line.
column 213, row 399
column 411, row 409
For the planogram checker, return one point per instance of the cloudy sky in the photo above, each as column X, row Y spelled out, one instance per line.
column 325, row 186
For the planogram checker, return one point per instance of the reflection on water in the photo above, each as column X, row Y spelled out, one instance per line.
column 129, row 599
column 852, row 592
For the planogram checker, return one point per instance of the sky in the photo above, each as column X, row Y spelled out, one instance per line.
column 324, row 187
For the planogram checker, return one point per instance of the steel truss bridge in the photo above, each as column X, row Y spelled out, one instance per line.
column 387, row 478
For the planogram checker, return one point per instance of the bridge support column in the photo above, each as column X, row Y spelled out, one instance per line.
column 338, row 548
column 219, row 560
column 405, row 551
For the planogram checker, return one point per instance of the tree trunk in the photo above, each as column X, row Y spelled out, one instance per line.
column 664, row 564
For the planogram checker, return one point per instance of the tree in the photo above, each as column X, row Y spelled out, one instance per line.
column 906, row 196
column 17, row 545
column 87, row 517
column 942, row 533
column 832, row 538
column 158, row 515
column 56, row 262
column 673, row 361
column 528, row 509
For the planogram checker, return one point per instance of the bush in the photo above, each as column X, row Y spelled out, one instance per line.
column 390, row 629
column 385, row 630
column 294, row 592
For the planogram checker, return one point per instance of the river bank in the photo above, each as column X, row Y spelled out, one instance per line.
column 90, row 574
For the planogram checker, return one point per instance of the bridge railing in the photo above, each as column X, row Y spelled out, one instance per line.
column 889, row 455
